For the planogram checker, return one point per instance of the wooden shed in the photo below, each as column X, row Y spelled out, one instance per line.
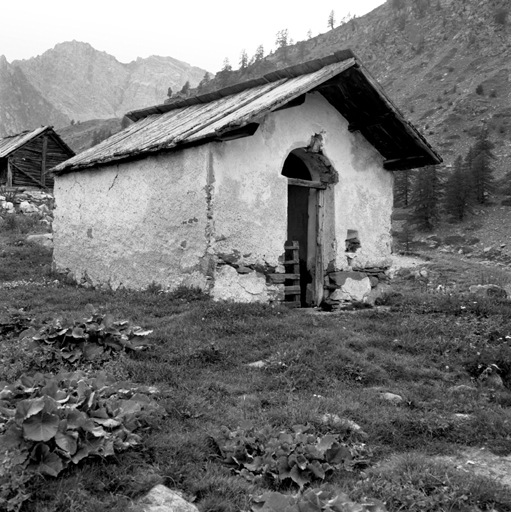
column 26, row 158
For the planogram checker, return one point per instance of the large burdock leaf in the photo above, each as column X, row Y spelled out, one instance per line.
column 41, row 427
column 337, row 454
column 92, row 350
column 27, row 408
column 67, row 442
column 45, row 462
column 300, row 477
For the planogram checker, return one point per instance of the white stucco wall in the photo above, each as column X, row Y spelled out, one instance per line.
column 135, row 223
column 247, row 172
column 170, row 218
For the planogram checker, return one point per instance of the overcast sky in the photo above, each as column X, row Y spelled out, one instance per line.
column 199, row 32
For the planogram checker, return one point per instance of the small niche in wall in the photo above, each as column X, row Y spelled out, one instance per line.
column 352, row 241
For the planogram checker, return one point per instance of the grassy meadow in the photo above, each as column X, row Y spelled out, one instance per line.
column 320, row 367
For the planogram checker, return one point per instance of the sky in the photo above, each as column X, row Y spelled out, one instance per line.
column 201, row 33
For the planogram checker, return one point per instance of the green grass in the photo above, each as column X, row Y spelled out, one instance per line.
column 419, row 347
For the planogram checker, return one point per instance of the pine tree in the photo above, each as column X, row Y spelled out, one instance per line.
column 205, row 79
column 482, row 168
column 458, row 192
column 243, row 59
column 403, row 184
column 331, row 20
column 426, row 197
column 282, row 38
column 309, row 34
column 169, row 92
column 259, row 54
column 186, row 88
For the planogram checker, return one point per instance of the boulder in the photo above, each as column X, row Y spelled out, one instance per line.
column 26, row 207
column 45, row 239
column 392, row 397
column 353, row 290
column 163, row 499
column 488, row 290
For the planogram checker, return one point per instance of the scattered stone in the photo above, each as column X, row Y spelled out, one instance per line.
column 462, row 417
column 45, row 239
column 26, row 207
column 337, row 421
column 392, row 397
column 258, row 364
column 244, row 270
column 488, row 290
column 352, row 289
column 163, row 499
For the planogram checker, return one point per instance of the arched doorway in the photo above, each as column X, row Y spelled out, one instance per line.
column 299, row 220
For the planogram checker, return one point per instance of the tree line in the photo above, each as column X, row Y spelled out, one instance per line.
column 430, row 194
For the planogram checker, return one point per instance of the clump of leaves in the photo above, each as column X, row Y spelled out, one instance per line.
column 314, row 501
column 95, row 337
column 48, row 422
column 282, row 458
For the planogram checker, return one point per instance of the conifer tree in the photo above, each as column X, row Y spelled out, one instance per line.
column 186, row 88
column 458, row 192
column 243, row 59
column 331, row 20
column 482, row 168
column 259, row 54
column 426, row 197
column 403, row 188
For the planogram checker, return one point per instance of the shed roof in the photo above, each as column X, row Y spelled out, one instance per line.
column 236, row 111
column 12, row 143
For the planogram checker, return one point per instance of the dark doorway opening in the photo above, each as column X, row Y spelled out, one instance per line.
column 298, row 218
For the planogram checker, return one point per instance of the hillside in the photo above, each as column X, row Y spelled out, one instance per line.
column 430, row 56
column 21, row 105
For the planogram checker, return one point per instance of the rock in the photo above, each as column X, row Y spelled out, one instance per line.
column 258, row 364
column 353, row 290
column 487, row 249
column 378, row 293
column 337, row 421
column 374, row 281
column 8, row 206
column 45, row 240
column 488, row 290
column 423, row 273
column 462, row 417
column 244, row 270
column 392, row 397
column 163, row 499
column 27, row 207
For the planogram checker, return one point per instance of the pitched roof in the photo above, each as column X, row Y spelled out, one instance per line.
column 13, row 142
column 236, row 111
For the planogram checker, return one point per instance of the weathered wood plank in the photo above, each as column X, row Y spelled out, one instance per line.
column 292, row 304
column 43, row 160
column 292, row 290
column 304, row 183
column 14, row 166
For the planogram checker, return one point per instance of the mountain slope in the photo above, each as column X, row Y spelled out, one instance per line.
column 85, row 83
column 21, row 105
column 430, row 56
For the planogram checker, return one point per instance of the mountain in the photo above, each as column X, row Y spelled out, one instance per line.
column 445, row 63
column 84, row 83
column 21, row 105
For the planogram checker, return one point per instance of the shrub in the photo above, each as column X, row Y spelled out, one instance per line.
column 49, row 422
column 480, row 90
column 493, row 93
column 95, row 338
column 298, row 457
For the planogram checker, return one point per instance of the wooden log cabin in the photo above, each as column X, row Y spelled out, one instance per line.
column 26, row 158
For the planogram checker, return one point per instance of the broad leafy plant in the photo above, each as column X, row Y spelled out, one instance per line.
column 92, row 338
column 49, row 422
column 314, row 500
column 298, row 457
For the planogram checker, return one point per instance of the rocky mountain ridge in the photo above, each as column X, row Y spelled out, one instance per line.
column 73, row 81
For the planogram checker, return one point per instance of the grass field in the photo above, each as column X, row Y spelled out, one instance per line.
column 320, row 367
